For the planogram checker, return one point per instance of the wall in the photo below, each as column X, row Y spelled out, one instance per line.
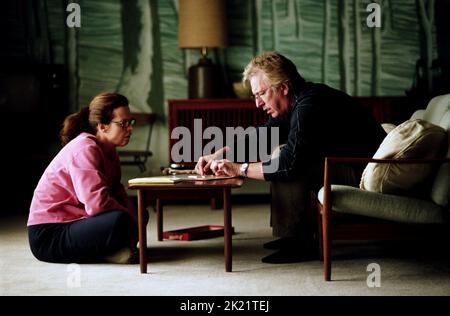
column 130, row 46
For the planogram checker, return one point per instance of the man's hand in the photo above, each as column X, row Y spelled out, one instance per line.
column 225, row 167
column 203, row 165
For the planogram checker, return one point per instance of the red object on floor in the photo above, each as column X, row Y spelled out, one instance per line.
column 195, row 233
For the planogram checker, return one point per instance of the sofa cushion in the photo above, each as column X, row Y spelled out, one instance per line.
column 351, row 200
column 388, row 127
column 411, row 139
column 440, row 192
column 436, row 108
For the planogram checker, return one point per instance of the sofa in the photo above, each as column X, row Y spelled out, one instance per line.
column 380, row 215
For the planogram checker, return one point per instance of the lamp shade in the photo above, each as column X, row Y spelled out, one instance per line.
column 202, row 23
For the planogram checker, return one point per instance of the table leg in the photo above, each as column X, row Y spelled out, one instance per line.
column 159, row 219
column 142, row 232
column 213, row 203
column 227, row 227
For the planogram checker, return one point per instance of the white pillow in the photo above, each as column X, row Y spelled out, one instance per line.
column 388, row 127
column 411, row 139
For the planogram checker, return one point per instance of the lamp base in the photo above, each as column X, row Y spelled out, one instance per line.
column 204, row 80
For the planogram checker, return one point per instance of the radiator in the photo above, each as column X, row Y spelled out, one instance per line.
column 221, row 113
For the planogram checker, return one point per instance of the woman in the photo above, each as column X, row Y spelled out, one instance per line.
column 80, row 211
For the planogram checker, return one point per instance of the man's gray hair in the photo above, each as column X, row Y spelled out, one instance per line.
column 276, row 67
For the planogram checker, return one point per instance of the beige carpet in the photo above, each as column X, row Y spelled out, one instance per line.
column 197, row 267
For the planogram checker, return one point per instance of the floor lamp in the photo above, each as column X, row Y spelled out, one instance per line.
column 202, row 25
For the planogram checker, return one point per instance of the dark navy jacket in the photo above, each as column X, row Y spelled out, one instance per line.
column 322, row 122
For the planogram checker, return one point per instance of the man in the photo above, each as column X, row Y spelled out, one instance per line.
column 315, row 121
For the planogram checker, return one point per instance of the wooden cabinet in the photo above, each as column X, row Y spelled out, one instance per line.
column 221, row 113
column 389, row 109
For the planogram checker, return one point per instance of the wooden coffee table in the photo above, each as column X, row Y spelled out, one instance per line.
column 180, row 189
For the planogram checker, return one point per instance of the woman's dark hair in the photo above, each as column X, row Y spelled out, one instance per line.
column 100, row 110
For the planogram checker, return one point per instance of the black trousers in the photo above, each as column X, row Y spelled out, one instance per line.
column 86, row 240
column 291, row 214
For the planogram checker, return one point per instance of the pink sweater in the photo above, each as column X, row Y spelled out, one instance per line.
column 80, row 182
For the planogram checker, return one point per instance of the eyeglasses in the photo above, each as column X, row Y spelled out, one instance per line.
column 260, row 94
column 125, row 123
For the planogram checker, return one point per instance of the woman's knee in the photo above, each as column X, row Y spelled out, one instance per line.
column 122, row 223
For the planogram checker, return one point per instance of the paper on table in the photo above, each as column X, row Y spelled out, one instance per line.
column 168, row 180
column 154, row 180
column 197, row 177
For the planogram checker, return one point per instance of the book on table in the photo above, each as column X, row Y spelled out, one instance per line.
column 170, row 180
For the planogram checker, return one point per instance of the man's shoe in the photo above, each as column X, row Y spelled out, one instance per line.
column 282, row 243
column 289, row 256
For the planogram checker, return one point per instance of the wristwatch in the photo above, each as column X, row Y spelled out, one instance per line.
column 243, row 170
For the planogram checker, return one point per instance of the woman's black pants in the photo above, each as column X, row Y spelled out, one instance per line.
column 86, row 240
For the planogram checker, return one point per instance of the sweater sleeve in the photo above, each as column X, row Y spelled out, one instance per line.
column 298, row 146
column 90, row 183
column 124, row 200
